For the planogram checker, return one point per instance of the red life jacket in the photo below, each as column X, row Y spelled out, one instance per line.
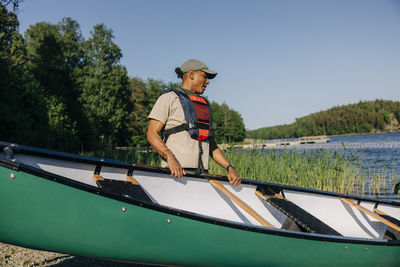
column 198, row 116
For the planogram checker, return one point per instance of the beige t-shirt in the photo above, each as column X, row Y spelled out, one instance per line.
column 169, row 111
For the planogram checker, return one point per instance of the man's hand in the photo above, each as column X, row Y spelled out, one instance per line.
column 218, row 157
column 157, row 143
column 233, row 177
column 175, row 167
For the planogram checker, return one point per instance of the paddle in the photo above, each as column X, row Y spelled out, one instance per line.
column 240, row 203
column 376, row 216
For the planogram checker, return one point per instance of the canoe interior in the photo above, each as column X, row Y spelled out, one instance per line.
column 195, row 195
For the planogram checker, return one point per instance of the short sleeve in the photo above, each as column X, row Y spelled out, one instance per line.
column 161, row 109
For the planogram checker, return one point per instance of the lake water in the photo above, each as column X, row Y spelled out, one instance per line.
column 377, row 152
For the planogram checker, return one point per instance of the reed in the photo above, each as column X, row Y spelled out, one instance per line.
column 328, row 170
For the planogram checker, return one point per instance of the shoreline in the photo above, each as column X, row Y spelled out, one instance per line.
column 14, row 256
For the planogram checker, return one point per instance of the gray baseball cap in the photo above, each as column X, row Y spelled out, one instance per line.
column 194, row 64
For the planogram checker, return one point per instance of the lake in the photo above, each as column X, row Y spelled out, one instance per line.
column 378, row 153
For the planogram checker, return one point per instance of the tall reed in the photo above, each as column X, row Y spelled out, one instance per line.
column 329, row 170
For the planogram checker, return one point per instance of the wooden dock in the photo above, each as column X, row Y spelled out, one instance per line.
column 321, row 139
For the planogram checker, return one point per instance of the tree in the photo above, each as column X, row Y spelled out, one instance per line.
column 11, row 42
column 72, row 48
column 137, row 116
column 143, row 96
column 104, row 84
column 397, row 115
column 229, row 126
column 19, row 107
column 50, row 66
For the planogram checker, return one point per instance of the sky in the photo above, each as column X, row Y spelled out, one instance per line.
column 277, row 60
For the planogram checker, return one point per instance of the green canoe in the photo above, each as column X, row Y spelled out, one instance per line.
column 118, row 211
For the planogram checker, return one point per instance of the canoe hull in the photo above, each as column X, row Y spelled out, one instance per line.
column 42, row 214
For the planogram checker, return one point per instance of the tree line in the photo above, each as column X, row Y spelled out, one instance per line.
column 362, row 117
column 61, row 91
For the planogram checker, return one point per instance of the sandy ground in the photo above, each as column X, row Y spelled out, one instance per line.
column 14, row 256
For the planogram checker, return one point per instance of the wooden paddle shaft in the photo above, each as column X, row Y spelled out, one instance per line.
column 132, row 180
column 376, row 216
column 98, row 177
column 240, row 203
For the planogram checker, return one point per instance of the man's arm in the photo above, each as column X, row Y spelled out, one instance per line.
column 219, row 158
column 157, row 143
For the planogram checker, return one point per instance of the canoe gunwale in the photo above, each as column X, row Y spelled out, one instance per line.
column 120, row 164
column 18, row 166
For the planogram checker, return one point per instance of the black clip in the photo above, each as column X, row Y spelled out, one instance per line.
column 130, row 171
column 8, row 152
column 97, row 170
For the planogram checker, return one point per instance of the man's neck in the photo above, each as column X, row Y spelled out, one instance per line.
column 188, row 86
column 187, row 91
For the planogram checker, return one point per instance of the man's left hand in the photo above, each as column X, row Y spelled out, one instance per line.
column 233, row 177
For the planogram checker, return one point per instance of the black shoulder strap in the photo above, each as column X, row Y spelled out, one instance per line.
column 167, row 90
column 180, row 128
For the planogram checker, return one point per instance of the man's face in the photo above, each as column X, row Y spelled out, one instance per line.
column 200, row 81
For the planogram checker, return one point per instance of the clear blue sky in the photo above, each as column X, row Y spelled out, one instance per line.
column 276, row 60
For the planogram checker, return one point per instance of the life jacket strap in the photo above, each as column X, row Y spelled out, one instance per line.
column 180, row 128
column 201, row 166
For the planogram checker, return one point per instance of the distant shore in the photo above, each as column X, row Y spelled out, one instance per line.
column 250, row 140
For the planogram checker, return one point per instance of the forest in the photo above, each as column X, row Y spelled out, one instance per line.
column 62, row 91
column 360, row 118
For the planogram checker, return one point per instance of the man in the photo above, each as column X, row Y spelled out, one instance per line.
column 186, row 145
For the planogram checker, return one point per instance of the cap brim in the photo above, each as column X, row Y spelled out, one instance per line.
column 210, row 74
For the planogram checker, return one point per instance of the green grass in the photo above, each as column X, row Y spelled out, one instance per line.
column 326, row 170
column 133, row 156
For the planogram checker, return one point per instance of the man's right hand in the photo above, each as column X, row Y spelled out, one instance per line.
column 157, row 143
column 175, row 167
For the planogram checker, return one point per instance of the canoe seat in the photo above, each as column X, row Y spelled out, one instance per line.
column 125, row 188
column 304, row 220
